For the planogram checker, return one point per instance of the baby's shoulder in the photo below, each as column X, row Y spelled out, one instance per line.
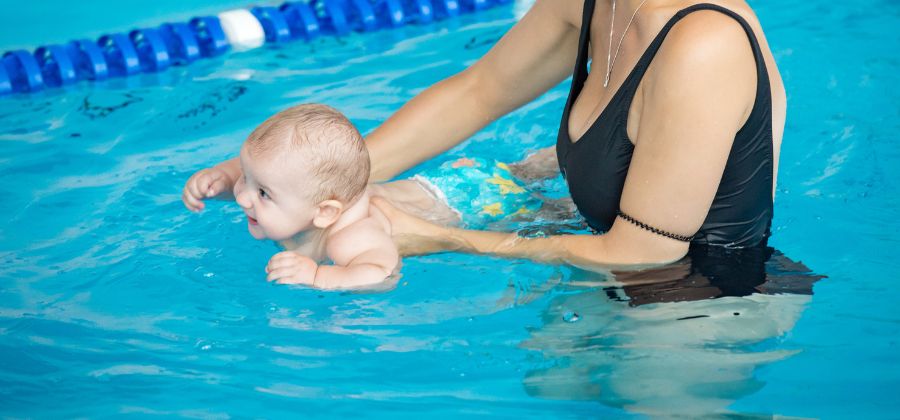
column 362, row 236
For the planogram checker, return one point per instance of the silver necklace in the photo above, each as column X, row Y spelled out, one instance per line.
column 612, row 62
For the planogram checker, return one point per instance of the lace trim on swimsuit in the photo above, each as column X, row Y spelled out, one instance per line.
column 661, row 232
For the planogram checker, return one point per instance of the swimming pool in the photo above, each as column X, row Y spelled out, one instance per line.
column 116, row 300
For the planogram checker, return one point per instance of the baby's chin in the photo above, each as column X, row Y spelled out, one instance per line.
column 256, row 233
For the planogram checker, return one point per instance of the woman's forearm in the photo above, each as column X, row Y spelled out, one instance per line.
column 434, row 121
column 591, row 252
column 567, row 249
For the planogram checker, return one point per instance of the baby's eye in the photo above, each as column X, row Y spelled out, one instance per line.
column 263, row 194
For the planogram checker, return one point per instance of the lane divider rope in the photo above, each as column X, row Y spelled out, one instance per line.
column 151, row 50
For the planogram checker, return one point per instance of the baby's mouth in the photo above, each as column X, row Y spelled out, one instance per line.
column 252, row 220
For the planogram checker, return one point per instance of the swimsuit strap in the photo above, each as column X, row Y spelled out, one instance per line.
column 580, row 73
column 763, row 90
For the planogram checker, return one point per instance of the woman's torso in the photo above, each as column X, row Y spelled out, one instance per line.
column 596, row 169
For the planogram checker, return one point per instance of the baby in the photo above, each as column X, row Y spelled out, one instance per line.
column 302, row 180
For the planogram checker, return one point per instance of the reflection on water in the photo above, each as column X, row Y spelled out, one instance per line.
column 683, row 339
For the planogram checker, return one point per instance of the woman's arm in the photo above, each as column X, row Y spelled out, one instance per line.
column 535, row 55
column 415, row 236
column 693, row 106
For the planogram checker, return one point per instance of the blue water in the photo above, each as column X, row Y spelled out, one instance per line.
column 115, row 300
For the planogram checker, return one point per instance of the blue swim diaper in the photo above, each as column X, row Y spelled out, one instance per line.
column 481, row 191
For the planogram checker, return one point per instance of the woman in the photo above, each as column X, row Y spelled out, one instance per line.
column 671, row 142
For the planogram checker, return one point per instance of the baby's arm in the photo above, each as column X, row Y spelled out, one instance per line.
column 363, row 255
column 215, row 182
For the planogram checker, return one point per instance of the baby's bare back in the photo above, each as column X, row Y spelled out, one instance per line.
column 411, row 197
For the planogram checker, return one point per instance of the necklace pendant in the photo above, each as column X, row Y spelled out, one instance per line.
column 606, row 80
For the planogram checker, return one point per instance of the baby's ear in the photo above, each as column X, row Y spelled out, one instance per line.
column 329, row 211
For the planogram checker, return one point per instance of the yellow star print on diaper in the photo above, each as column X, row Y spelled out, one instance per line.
column 493, row 209
column 521, row 211
column 507, row 186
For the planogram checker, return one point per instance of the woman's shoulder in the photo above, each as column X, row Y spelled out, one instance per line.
column 705, row 59
column 708, row 38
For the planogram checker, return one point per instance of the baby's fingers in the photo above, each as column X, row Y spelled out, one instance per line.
column 295, row 279
column 217, row 185
column 282, row 260
column 214, row 182
column 197, row 184
column 287, row 275
column 279, row 273
column 190, row 201
column 280, row 264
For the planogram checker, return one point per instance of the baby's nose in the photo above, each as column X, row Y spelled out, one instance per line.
column 243, row 199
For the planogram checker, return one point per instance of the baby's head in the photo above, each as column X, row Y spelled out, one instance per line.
column 302, row 168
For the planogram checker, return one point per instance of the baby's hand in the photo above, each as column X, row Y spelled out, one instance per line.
column 203, row 184
column 289, row 267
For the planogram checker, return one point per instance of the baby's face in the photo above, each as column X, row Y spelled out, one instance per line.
column 272, row 198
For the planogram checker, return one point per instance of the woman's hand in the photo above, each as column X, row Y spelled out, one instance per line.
column 412, row 235
column 537, row 166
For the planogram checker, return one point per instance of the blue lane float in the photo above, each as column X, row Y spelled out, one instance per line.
column 446, row 8
column 5, row 83
column 274, row 24
column 362, row 14
column 210, row 36
column 332, row 17
column 23, row 71
column 181, row 42
column 120, row 54
column 301, row 20
column 420, row 10
column 88, row 59
column 151, row 50
column 56, row 65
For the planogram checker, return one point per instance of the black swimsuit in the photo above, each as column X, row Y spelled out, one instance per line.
column 596, row 165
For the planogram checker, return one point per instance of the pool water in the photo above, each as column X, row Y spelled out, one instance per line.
column 115, row 300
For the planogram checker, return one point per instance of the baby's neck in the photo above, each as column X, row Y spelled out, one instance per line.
column 312, row 242
column 355, row 212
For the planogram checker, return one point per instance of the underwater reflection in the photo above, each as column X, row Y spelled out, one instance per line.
column 683, row 339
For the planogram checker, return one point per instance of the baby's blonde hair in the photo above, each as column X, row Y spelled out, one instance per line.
column 322, row 141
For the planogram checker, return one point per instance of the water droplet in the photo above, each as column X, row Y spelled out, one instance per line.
column 208, row 275
column 570, row 316
column 206, row 347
